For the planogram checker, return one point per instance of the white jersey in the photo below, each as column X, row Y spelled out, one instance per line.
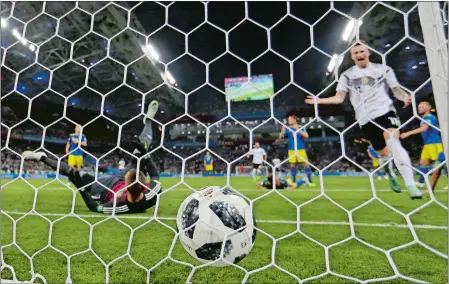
column 258, row 154
column 121, row 164
column 276, row 162
column 368, row 90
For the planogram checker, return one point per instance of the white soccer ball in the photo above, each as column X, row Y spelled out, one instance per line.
column 215, row 217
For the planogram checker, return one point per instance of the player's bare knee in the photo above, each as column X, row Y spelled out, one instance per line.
column 424, row 162
column 384, row 152
column 391, row 133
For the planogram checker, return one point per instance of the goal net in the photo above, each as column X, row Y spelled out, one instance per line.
column 225, row 75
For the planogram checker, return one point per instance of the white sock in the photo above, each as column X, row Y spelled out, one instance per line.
column 254, row 173
column 401, row 160
column 388, row 168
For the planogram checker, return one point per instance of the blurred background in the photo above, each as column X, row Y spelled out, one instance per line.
column 99, row 65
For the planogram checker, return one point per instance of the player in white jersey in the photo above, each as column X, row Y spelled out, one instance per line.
column 367, row 84
column 259, row 156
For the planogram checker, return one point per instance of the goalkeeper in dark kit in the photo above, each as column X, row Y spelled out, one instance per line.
column 127, row 189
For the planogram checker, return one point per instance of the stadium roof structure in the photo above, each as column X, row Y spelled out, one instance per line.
column 381, row 26
column 90, row 68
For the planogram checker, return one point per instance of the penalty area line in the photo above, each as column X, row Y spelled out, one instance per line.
column 328, row 223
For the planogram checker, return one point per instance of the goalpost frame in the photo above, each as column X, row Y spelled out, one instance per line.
column 436, row 47
column 437, row 58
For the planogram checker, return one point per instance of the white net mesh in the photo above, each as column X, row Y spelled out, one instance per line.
column 100, row 64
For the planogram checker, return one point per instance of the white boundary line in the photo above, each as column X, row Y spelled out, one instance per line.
column 330, row 223
column 300, row 190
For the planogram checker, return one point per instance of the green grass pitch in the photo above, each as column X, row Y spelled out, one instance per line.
column 57, row 243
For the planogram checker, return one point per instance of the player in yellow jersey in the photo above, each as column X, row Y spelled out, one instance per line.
column 75, row 153
column 208, row 164
column 296, row 150
column 433, row 145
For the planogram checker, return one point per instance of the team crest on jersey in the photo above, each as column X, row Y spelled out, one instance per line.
column 365, row 80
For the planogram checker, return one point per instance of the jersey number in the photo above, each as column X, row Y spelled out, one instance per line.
column 395, row 121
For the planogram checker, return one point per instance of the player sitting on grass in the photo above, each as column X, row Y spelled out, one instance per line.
column 132, row 194
column 281, row 183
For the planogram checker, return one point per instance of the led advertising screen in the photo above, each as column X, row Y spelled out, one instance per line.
column 238, row 89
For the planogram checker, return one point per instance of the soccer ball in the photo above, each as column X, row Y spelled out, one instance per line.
column 212, row 218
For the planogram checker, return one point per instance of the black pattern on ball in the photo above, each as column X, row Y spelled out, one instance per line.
column 228, row 214
column 189, row 216
column 227, row 191
column 211, row 251
column 239, row 258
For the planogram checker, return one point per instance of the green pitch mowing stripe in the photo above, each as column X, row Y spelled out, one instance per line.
column 331, row 223
column 321, row 220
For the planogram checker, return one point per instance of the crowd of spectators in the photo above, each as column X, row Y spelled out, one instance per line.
column 170, row 160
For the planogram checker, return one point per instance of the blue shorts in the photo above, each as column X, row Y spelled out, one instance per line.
column 441, row 157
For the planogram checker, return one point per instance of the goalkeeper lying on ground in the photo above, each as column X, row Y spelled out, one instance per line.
column 281, row 183
column 133, row 195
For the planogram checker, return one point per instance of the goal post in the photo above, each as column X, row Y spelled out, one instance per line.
column 436, row 45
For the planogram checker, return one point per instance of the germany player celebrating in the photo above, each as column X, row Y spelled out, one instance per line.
column 367, row 84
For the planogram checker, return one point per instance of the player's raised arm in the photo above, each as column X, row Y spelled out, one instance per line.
column 283, row 132
column 83, row 141
column 419, row 130
column 303, row 133
column 339, row 98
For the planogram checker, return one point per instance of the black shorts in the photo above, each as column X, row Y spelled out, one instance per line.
column 256, row 166
column 375, row 134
